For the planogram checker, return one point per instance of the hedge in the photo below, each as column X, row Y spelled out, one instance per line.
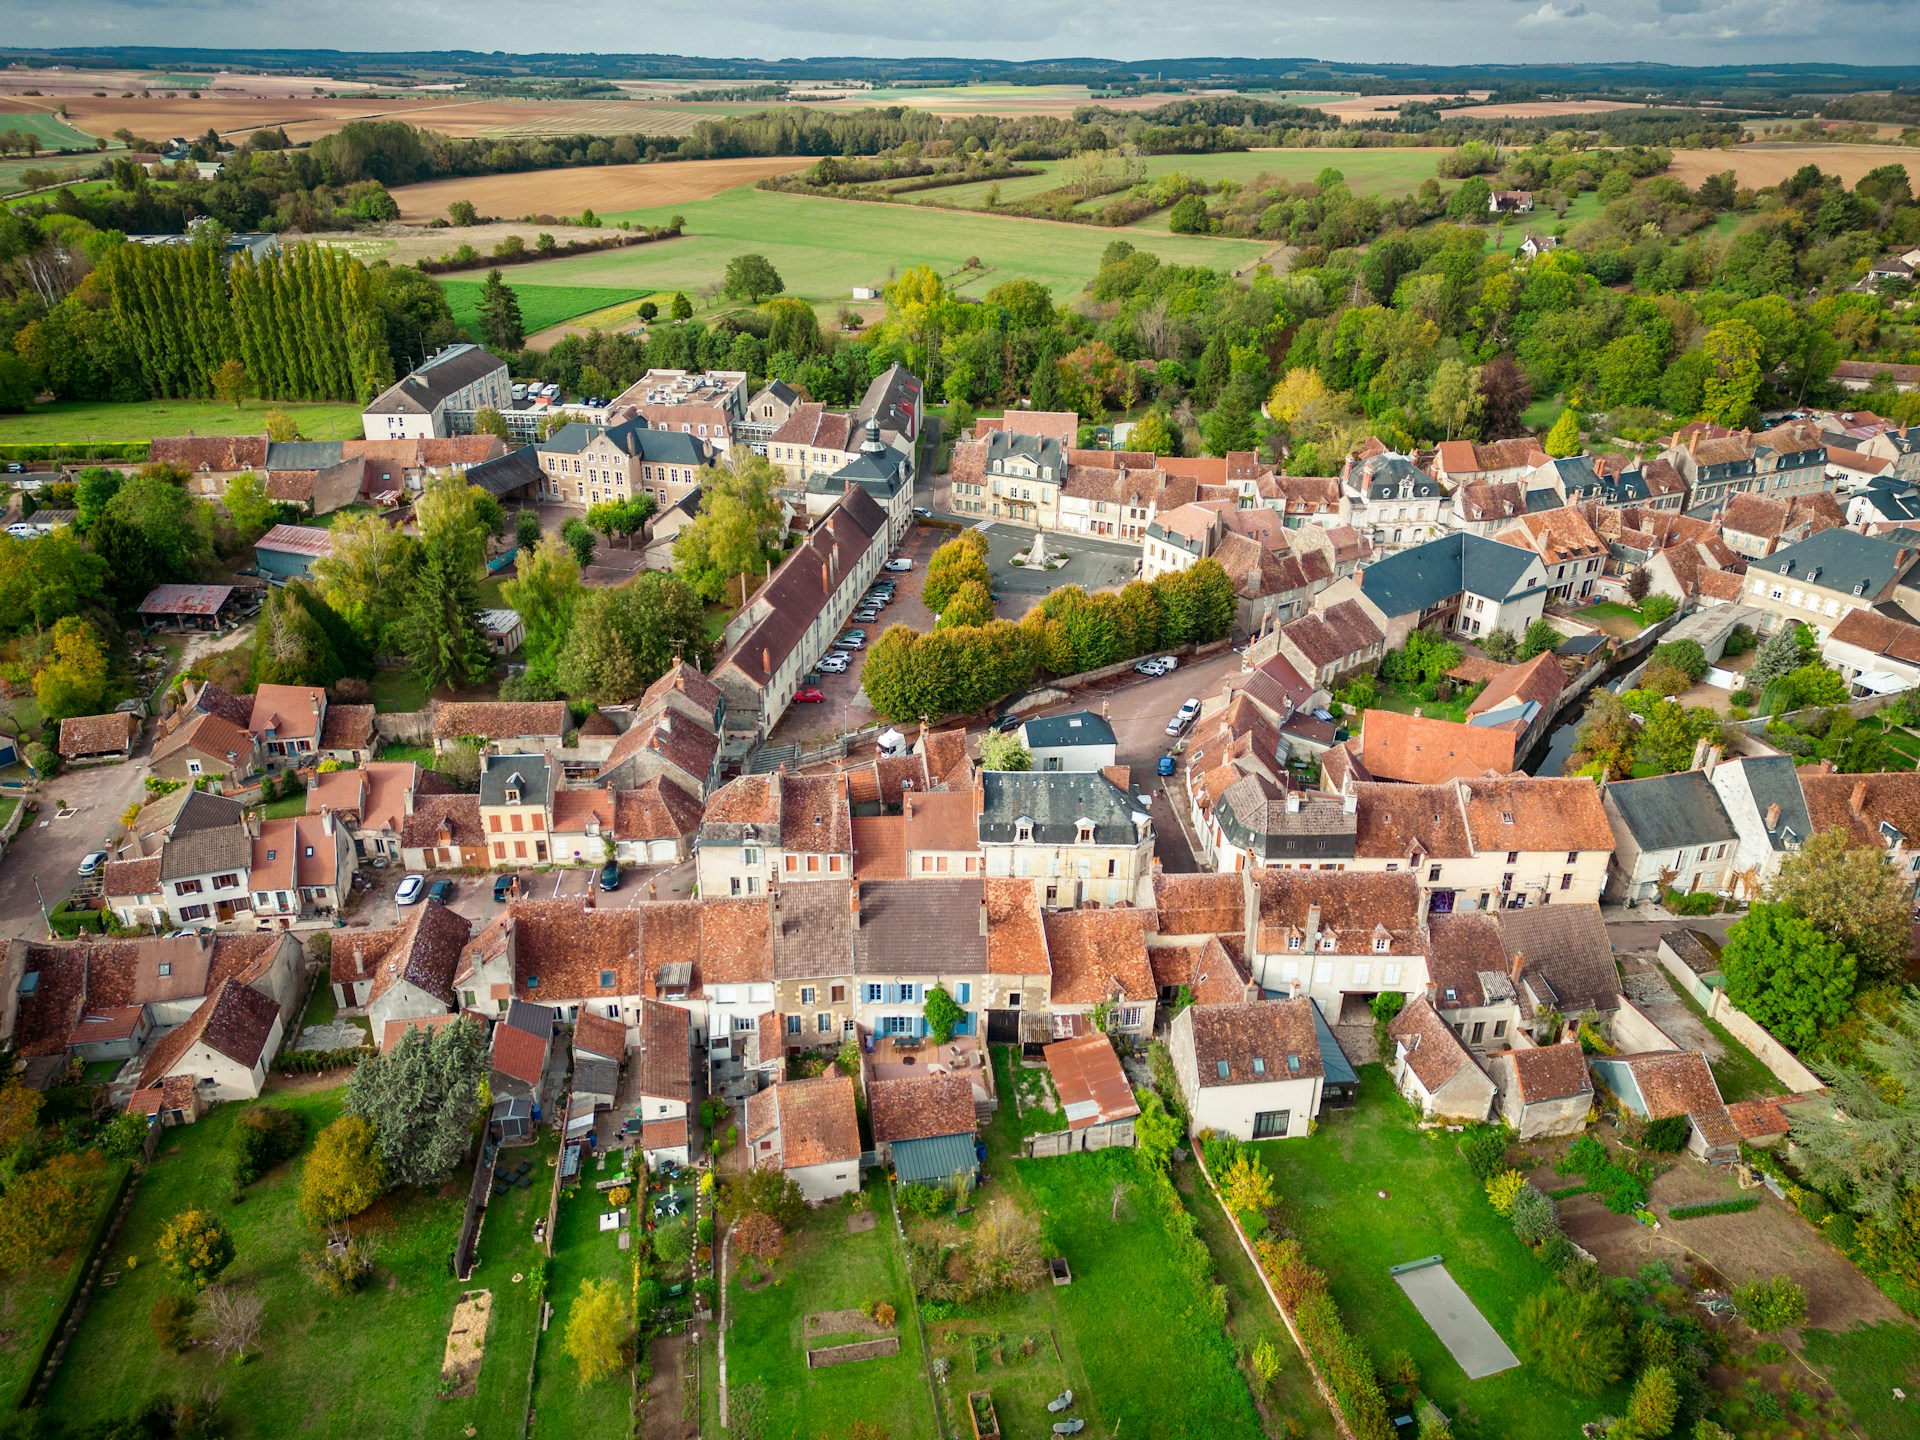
column 313, row 1062
column 447, row 265
column 1714, row 1207
column 81, row 450
column 1342, row 1359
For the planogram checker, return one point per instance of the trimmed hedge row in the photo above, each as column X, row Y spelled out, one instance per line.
column 1715, row 1207
column 448, row 265
column 25, row 451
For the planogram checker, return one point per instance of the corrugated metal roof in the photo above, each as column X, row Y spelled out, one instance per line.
column 932, row 1160
column 185, row 600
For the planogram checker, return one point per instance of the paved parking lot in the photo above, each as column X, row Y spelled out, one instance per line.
column 48, row 849
column 376, row 908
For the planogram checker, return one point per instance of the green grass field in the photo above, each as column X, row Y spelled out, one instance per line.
column 365, row 1365
column 825, row 1268
column 822, row 248
column 1330, row 1187
column 582, row 1251
column 1738, row 1071
column 30, row 1302
column 540, row 305
column 1865, row 1365
column 53, row 132
column 76, row 421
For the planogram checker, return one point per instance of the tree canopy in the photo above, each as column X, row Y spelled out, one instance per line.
column 421, row 1098
column 1787, row 975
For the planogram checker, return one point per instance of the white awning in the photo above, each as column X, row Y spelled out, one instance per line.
column 1882, row 682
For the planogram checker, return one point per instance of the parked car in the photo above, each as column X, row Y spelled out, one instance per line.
column 411, row 890
column 851, row 641
column 1153, row 669
column 23, row 532
column 610, row 875
column 92, row 861
column 1007, row 722
column 922, row 513
column 808, row 695
column 900, row 565
column 1167, row 663
column 1165, row 767
column 1184, row 718
column 834, row 663
column 503, row 888
column 867, row 617
column 441, row 890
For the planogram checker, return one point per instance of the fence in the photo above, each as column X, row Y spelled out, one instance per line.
column 86, row 1271
column 469, row 1241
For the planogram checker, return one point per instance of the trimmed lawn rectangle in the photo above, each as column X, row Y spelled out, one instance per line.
column 1864, row 1365
column 827, row 1268
column 73, row 422
column 1370, row 1191
column 365, row 1365
column 540, row 305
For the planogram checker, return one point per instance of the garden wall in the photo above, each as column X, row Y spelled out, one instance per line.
column 404, row 727
column 1767, row 1050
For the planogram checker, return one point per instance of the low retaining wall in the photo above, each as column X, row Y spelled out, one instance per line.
column 404, row 727
column 1767, row 1050
column 851, row 1354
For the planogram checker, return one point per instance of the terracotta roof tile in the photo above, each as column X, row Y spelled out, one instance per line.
column 1421, row 750
column 456, row 817
column 1535, row 813
column 920, row 1108
column 1396, row 820
column 564, row 952
column 879, row 847
column 1540, row 680
column 666, row 1051
column 348, row 727
column 817, row 1122
column 1199, row 904
column 394, row 1031
column 1434, row 1052
column 1098, row 955
column 1355, row 907
column 1090, row 1082
column 655, row 811
column 1551, row 1072
column 600, row 1035
column 1212, row 974
column 235, row 1020
column 291, row 712
column 501, row 719
column 97, row 734
column 1016, row 935
column 1464, row 947
column 1258, row 1043
column 131, row 877
column 519, row 1053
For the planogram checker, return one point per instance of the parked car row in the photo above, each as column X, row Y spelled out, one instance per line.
column 1184, row 718
column 1156, row 666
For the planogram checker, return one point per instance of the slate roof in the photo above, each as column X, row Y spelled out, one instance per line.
column 1423, row 576
column 920, row 1107
column 206, row 840
column 1669, row 812
column 532, row 775
column 1840, row 560
column 1056, row 732
column 452, row 370
column 1054, row 802
column 910, row 926
column 504, row 474
column 1775, row 780
column 1252, row 814
column 1257, row 1044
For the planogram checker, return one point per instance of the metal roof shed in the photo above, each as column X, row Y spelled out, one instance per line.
column 933, row 1161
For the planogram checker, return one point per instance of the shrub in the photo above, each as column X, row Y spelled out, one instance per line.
column 1769, row 1305
column 1573, row 1338
column 344, row 1174
column 1656, row 608
column 619, row 1195
column 1556, row 1252
column 673, row 1244
column 172, row 1321
column 1534, row 1216
column 1620, row 1189
column 195, row 1247
column 262, row 1137
column 1503, row 1189
column 1484, row 1148
column 125, row 1136
column 1656, row 1398
column 1665, row 1136
column 760, row 1236
column 925, row 1201
column 341, row 1269
column 884, row 1315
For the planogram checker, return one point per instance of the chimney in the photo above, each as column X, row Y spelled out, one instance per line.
column 1858, row 802
column 1699, row 761
column 1714, row 756
column 826, row 581
column 359, row 960
column 1773, row 816
column 1293, row 802
column 1313, row 927
column 766, row 661
column 1433, row 994
column 653, row 889
column 1350, row 803
column 983, row 914
column 853, row 904
column 1517, row 968
column 326, row 819
column 1693, row 443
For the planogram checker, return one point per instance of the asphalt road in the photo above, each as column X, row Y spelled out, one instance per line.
column 50, row 849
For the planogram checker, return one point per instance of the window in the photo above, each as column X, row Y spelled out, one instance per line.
column 1380, row 946
column 807, row 993
column 1272, row 1124
column 1513, row 857
column 873, row 994
column 1221, row 1068
column 1573, row 857
column 606, row 979
column 1506, row 881
column 1326, row 942
column 1703, row 851
column 1479, row 1030
column 1566, row 882
column 1433, row 875
column 1130, row 1017
column 1390, row 973
column 1362, row 972
column 1323, row 972
column 907, row 995
column 1499, row 1029
column 793, row 1024
column 749, row 856
column 195, row 912
column 1293, row 942
column 793, row 864
column 823, row 1023
column 192, row 887
column 223, row 882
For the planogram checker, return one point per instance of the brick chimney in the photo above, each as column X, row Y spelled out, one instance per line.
column 326, row 819
column 766, row 661
column 653, row 889
column 1858, row 801
column 983, row 914
column 1773, row 816
column 1517, row 968
column 853, row 904
column 1313, row 927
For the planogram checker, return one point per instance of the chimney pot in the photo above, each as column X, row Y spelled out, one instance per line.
column 1858, row 801
column 1773, row 816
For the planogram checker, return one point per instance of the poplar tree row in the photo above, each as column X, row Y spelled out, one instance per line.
column 302, row 320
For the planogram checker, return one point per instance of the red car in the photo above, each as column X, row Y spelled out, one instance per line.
column 808, row 694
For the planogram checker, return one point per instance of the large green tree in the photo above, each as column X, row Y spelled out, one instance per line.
column 623, row 638
column 367, row 577
column 302, row 641
column 422, row 1098
column 751, row 278
column 544, row 592
column 440, row 628
column 737, row 531
column 1787, row 975
column 1854, row 896
column 498, row 315
column 960, row 561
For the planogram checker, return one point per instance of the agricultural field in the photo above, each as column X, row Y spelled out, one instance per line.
column 33, row 119
column 541, row 306
column 405, row 244
column 990, row 99
column 822, row 248
column 602, row 188
column 624, row 316
column 367, row 1364
column 1368, row 172
column 69, row 422
column 1756, row 166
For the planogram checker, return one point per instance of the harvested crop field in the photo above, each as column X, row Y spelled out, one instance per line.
column 993, row 99
column 1359, row 107
column 603, row 188
column 1757, row 166
column 1545, row 109
column 404, row 244
column 34, row 118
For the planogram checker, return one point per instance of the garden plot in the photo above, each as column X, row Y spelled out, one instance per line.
column 466, row 1343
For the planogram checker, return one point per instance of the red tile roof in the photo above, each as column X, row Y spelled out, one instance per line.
column 1098, row 955
column 1551, row 1072
column 1421, row 750
column 920, row 1108
column 520, row 1054
column 82, row 735
column 1259, row 1043
column 1434, row 1052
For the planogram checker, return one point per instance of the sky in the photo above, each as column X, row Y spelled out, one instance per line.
column 1684, row 32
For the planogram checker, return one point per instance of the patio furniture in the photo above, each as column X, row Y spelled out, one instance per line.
column 1069, row 1427
column 1062, row 1401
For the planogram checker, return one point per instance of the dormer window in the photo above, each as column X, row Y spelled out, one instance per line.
column 1326, row 942
column 1293, row 942
column 1023, row 830
column 1085, row 832
column 1380, row 946
column 1506, row 817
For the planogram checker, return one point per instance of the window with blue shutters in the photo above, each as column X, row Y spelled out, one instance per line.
column 966, row 993
column 873, row 994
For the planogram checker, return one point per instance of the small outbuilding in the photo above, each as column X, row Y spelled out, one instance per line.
column 188, row 607
column 1094, row 1096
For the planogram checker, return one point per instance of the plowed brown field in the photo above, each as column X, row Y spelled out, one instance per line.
column 605, row 188
column 1757, row 166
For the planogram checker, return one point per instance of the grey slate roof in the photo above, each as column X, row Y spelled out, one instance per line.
column 1775, row 780
column 506, row 473
column 454, row 368
column 1044, row 452
column 1385, row 474
column 1082, row 727
column 206, row 852
column 1054, row 802
column 201, row 811
column 1413, row 580
column 1539, row 501
column 1839, row 560
column 594, row 1076
column 669, row 447
column 1666, row 812
column 1577, row 476
column 304, row 454
column 541, row 1020
column 1252, row 814
column 535, row 779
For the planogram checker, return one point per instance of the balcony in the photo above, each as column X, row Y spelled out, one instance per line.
column 895, row 1057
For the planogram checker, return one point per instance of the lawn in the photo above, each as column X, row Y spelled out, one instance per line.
column 400, row 754
column 31, row 1300
column 1406, row 699
column 1864, row 1365
column 400, row 691
column 8, row 804
column 1369, row 1191
column 540, row 305
column 1738, row 1071
column 822, row 248
column 365, row 1365
column 1620, row 621
column 826, row 1268
column 285, row 807
column 582, row 1251
column 68, row 422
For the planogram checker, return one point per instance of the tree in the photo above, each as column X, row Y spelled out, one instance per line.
column 1564, row 437
column 1453, row 398
column 751, row 278
column 489, row 421
column 233, row 1322
column 97, row 486
column 281, row 426
column 421, row 1098
column 970, row 604
column 343, row 1175
column 1732, row 350
column 261, row 1138
column 1787, row 975
column 738, row 528
column 176, row 530
column 1000, row 751
column 1504, row 392
column 526, row 531
column 1655, row 1401
column 680, row 307
column 440, row 628
column 599, row 1329
column 760, row 1235
column 301, row 640
column 577, row 535
column 195, row 1247
column 767, row 1192
column 623, row 638
column 1540, row 637
column 230, row 383
column 1189, row 216
column 1770, row 1305
column 1247, row 1184
column 959, row 562
column 457, row 516
column 1686, row 656
column 463, row 214
column 246, row 501
column 1230, row 425
column 367, row 576
column 1865, row 1143
column 73, row 678
column 498, row 314
column 49, row 1209
column 943, row 1014
column 1470, row 202
column 171, row 1321
column 125, row 1136
column 1854, row 896
column 1574, row 1338
column 544, row 593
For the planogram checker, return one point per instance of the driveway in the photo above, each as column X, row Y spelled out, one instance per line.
column 49, row 849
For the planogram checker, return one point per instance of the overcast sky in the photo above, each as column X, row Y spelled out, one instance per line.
column 1688, row 32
